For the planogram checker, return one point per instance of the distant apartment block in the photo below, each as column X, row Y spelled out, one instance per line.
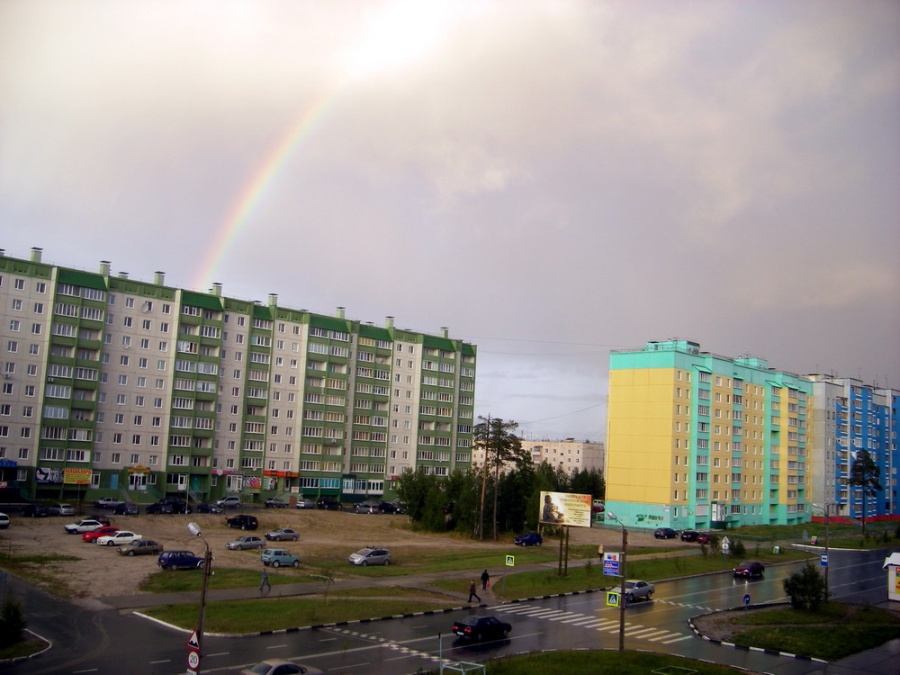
column 848, row 416
column 569, row 454
column 696, row 440
column 122, row 386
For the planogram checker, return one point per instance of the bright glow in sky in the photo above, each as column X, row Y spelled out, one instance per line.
column 550, row 179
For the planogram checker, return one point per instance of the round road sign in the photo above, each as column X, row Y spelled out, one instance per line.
column 193, row 660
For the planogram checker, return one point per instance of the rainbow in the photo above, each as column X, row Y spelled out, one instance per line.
column 256, row 188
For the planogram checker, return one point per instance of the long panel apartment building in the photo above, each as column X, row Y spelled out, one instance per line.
column 697, row 440
column 118, row 386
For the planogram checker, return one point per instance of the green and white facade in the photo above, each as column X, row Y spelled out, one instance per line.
column 140, row 390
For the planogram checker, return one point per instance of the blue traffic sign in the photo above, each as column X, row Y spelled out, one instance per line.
column 746, row 599
column 823, row 560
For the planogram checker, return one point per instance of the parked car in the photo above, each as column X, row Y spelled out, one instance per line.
column 366, row 507
column 637, row 590
column 4, row 521
column 106, row 503
column 481, row 628
column 207, row 507
column 61, row 510
column 243, row 522
column 141, row 547
column 119, row 538
column 229, row 502
column 703, row 538
column 180, row 560
column 401, row 507
column 280, row 667
column 689, row 535
column 597, row 506
column 387, row 507
column 177, row 503
column 36, row 511
column 83, row 526
column 750, row 568
column 278, row 557
column 93, row 535
column 158, row 508
column 275, row 503
column 100, row 518
column 304, row 503
column 328, row 503
column 126, row 509
column 529, row 539
column 370, row 556
column 664, row 533
column 283, row 534
column 245, row 542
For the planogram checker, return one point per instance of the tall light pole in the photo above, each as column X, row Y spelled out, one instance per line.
column 194, row 529
column 824, row 510
column 614, row 518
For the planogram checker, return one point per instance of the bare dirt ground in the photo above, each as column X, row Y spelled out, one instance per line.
column 99, row 571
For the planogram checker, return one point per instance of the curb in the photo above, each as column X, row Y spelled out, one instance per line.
column 770, row 652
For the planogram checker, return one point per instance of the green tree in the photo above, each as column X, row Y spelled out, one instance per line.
column 12, row 621
column 589, row 482
column 500, row 445
column 806, row 589
column 864, row 474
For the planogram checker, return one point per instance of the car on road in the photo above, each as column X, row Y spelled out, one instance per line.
column 638, row 590
column 329, row 504
column 83, row 526
column 4, row 521
column 366, row 507
column 370, row 556
column 207, row 507
column 126, row 509
column 283, row 534
column 180, row 560
column 229, row 502
column 480, row 628
column 141, row 547
column 279, row 557
column 749, row 568
column 119, row 538
column 61, row 510
column 242, row 522
column 35, row 511
column 93, row 535
column 158, row 508
column 664, row 533
column 246, row 542
column 304, row 503
column 106, row 503
column 275, row 503
column 529, row 539
column 280, row 667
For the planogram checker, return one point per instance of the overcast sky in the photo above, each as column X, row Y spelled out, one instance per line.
column 548, row 180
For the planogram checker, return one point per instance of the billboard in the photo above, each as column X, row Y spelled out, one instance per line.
column 564, row 508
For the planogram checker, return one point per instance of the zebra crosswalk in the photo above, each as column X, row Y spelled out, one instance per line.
column 592, row 622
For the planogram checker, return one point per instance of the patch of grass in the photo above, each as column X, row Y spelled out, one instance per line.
column 251, row 616
column 22, row 649
column 175, row 581
column 850, row 629
column 592, row 662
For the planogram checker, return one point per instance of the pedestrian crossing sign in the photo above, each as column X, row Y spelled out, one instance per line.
column 612, row 599
column 510, row 561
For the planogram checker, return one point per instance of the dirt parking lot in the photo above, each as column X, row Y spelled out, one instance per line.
column 100, row 571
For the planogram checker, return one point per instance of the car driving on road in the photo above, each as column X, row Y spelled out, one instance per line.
column 749, row 568
column 529, row 539
column 481, row 628
column 638, row 590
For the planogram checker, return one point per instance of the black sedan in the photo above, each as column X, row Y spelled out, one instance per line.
column 664, row 533
column 750, row 568
column 481, row 628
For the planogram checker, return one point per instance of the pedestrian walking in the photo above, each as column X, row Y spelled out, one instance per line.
column 472, row 593
column 264, row 582
column 485, row 580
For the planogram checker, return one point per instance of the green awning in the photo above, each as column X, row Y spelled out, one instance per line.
column 83, row 279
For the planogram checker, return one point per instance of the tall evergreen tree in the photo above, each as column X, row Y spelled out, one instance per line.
column 500, row 445
column 864, row 474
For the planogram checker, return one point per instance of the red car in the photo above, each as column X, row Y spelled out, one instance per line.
column 91, row 537
column 749, row 569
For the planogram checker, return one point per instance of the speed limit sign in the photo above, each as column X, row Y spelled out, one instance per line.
column 193, row 660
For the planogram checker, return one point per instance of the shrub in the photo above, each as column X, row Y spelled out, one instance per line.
column 806, row 589
column 12, row 622
column 738, row 550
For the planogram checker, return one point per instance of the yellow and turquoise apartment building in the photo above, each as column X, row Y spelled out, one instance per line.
column 697, row 440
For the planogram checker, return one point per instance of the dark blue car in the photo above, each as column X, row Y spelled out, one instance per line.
column 180, row 560
column 529, row 539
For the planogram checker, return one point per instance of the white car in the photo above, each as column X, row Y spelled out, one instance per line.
column 120, row 538
column 4, row 521
column 83, row 526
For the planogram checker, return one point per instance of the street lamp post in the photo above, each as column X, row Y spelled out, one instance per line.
column 194, row 529
column 824, row 510
column 614, row 518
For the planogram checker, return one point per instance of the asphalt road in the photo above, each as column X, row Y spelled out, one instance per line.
column 108, row 641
